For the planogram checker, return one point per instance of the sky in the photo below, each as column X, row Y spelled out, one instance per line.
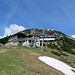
column 17, row 15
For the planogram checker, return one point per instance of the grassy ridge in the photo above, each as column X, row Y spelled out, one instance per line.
column 24, row 61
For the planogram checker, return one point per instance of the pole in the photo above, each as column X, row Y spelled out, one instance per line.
column 42, row 48
column 34, row 38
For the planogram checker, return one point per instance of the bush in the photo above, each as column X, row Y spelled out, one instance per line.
column 66, row 48
column 74, row 62
column 50, row 45
column 64, row 54
column 73, row 52
column 56, row 53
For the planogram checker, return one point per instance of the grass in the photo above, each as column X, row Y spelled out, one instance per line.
column 64, row 56
column 8, row 62
column 24, row 61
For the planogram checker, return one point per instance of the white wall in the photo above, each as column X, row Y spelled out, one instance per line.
column 15, row 44
column 26, row 43
column 38, row 44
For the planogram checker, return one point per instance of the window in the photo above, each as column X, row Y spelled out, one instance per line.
column 29, row 41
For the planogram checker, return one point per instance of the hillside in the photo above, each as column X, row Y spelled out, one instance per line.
column 24, row 61
column 63, row 42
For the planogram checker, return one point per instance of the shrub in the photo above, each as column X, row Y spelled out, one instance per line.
column 64, row 54
column 73, row 52
column 74, row 62
column 50, row 45
column 67, row 48
column 56, row 53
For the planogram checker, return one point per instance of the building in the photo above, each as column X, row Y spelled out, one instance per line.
column 47, row 37
column 34, row 39
column 20, row 39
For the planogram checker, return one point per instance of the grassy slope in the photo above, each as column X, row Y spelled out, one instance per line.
column 24, row 61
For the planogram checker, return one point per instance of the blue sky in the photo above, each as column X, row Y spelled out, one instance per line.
column 50, row 14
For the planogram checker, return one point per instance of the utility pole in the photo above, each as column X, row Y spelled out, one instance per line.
column 42, row 47
column 34, row 37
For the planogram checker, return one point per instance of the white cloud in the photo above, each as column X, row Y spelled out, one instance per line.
column 1, row 36
column 12, row 29
column 73, row 36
